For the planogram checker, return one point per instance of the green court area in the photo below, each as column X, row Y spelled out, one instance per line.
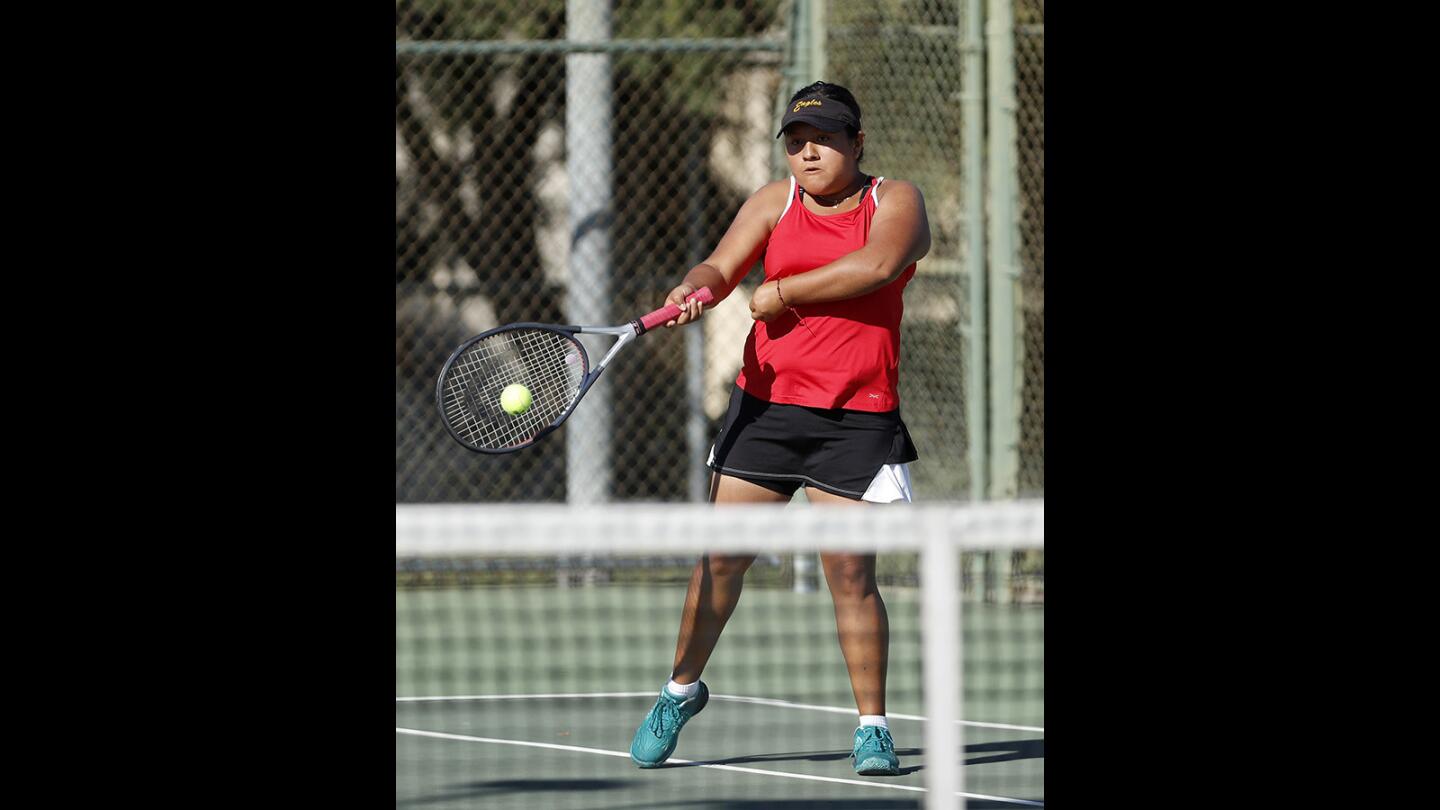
column 528, row 697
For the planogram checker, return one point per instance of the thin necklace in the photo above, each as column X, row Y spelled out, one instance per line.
column 836, row 204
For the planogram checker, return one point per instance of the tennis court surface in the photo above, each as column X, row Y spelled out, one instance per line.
column 531, row 641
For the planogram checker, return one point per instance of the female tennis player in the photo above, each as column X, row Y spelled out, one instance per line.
column 816, row 402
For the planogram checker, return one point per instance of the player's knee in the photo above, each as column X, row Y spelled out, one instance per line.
column 850, row 577
column 727, row 566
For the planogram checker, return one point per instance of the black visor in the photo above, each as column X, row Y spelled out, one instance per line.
column 825, row 114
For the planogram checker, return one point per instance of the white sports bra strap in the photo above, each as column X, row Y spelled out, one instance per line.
column 788, row 200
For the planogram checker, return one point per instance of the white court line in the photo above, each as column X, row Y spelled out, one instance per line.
column 735, row 698
column 527, row 697
column 736, row 768
column 842, row 710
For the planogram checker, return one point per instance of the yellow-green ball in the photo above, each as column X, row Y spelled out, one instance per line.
column 515, row 399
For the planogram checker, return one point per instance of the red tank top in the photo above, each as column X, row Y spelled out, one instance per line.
column 841, row 354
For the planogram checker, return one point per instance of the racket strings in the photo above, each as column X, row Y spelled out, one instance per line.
column 548, row 363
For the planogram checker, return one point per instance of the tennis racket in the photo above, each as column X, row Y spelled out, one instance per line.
column 546, row 359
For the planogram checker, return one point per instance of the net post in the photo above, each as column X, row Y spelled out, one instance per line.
column 940, row 637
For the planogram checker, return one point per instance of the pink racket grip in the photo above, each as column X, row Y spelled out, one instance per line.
column 671, row 312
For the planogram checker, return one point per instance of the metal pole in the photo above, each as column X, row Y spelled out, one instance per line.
column 973, row 109
column 588, row 165
column 801, row 53
column 1004, row 260
column 699, row 476
column 804, row 568
column 818, row 32
column 940, row 664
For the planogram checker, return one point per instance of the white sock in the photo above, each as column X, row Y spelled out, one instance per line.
column 683, row 690
column 874, row 720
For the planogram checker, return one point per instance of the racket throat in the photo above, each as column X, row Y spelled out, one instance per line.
column 625, row 334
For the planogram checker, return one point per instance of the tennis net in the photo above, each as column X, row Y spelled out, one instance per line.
column 531, row 641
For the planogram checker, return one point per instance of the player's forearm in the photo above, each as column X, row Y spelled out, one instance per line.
column 850, row 276
column 705, row 275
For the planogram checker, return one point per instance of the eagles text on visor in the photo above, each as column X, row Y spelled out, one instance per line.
column 825, row 114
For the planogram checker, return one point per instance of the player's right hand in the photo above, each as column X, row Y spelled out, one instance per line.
column 689, row 310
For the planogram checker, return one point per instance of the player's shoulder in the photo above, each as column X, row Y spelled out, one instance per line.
column 776, row 191
column 769, row 200
column 893, row 186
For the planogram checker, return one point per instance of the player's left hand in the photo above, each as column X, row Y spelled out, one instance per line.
column 765, row 303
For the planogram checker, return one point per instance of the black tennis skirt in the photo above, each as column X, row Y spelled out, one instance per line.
column 782, row 447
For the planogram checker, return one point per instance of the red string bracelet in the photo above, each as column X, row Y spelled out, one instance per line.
column 798, row 319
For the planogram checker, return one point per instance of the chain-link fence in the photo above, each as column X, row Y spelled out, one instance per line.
column 1030, row 128
column 487, row 232
column 902, row 61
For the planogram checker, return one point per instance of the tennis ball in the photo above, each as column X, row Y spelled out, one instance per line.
column 515, row 399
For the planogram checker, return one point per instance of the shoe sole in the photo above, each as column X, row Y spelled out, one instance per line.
column 878, row 769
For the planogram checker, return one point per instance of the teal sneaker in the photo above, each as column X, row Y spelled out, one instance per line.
column 656, row 738
column 874, row 752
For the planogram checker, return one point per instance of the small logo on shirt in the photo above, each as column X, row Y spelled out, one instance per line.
column 874, row 396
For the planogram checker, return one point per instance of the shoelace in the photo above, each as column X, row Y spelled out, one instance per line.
column 668, row 714
column 871, row 734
